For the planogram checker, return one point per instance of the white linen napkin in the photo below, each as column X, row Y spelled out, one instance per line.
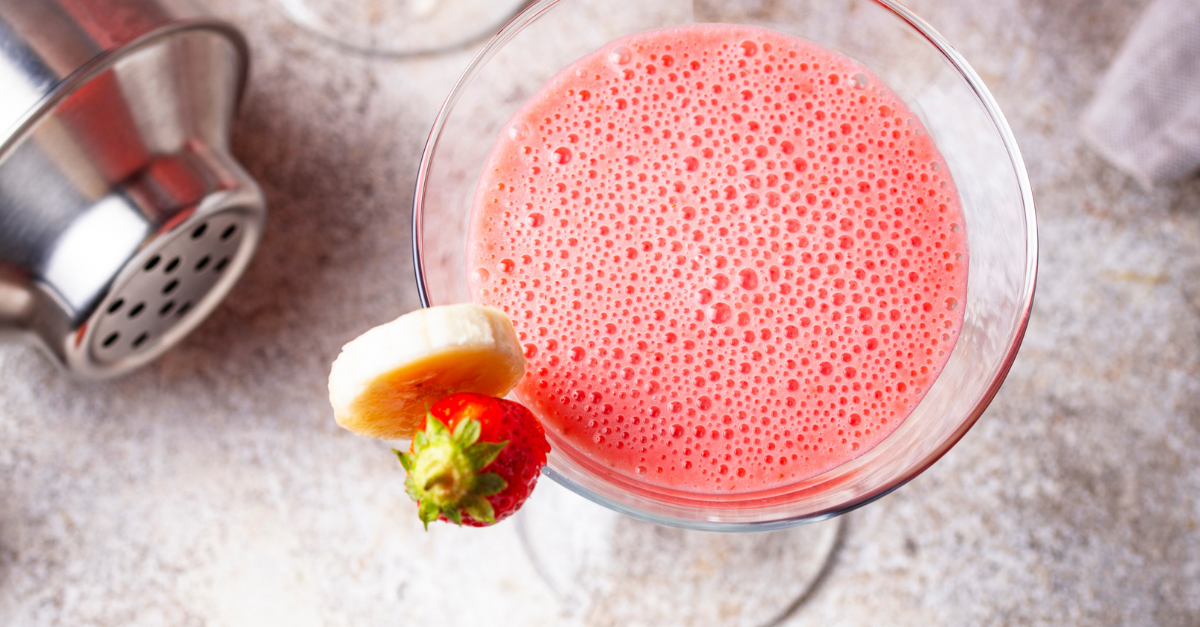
column 1145, row 115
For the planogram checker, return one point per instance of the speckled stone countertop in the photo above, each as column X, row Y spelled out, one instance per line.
column 213, row 488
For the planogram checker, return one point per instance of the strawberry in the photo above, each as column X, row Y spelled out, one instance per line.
column 464, row 435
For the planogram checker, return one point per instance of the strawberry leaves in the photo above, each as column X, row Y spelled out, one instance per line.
column 480, row 509
column 445, row 472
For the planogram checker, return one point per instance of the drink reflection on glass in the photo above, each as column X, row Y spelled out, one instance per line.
column 768, row 263
column 401, row 27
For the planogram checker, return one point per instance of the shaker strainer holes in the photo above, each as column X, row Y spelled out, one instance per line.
column 170, row 285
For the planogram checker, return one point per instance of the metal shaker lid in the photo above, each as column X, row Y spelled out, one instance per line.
column 124, row 218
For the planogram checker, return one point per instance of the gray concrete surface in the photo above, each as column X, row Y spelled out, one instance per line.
column 212, row 488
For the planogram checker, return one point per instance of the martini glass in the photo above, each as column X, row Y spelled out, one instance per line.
column 401, row 27
column 592, row 564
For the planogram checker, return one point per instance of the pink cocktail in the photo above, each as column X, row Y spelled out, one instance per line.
column 734, row 257
column 742, row 266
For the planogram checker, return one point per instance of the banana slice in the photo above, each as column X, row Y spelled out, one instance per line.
column 383, row 381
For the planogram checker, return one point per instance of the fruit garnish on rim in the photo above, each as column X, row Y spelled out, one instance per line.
column 431, row 376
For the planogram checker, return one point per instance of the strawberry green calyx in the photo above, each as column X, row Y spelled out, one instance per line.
column 445, row 472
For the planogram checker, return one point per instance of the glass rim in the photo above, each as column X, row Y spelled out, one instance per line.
column 1016, row 162
column 298, row 13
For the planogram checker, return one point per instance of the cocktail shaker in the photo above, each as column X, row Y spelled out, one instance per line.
column 124, row 219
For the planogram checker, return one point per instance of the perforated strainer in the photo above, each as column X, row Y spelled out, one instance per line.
column 124, row 220
column 173, row 279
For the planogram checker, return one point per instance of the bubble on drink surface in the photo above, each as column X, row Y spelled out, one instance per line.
column 561, row 156
column 748, row 279
column 720, row 313
column 620, row 55
column 518, row 131
column 480, row 275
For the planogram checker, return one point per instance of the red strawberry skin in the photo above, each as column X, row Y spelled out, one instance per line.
column 519, row 463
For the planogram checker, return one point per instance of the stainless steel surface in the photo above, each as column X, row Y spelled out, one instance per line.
column 124, row 220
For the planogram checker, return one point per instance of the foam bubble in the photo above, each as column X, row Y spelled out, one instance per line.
column 518, row 131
